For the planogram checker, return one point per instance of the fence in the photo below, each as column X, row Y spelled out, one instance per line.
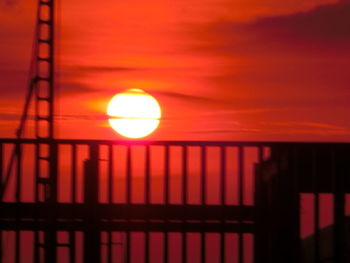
column 165, row 201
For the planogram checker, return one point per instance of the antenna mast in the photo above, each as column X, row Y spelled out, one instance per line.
column 42, row 74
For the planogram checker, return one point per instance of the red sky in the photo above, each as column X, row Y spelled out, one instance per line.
column 221, row 69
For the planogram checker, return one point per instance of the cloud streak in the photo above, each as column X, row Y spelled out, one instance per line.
column 305, row 127
column 97, row 68
column 316, row 31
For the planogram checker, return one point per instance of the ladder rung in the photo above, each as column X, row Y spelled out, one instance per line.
column 45, row 2
column 42, row 21
column 42, row 79
column 41, row 118
column 43, row 59
column 47, row 41
column 42, row 98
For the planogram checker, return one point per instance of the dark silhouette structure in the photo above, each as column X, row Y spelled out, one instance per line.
column 320, row 170
column 83, row 205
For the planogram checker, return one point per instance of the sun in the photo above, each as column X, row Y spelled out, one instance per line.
column 134, row 113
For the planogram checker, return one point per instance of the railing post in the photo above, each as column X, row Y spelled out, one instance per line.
column 1, row 191
column 261, row 206
column 340, row 172
column 51, row 198
column 91, row 234
column 1, row 173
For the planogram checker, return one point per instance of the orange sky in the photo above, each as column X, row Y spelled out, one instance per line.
column 221, row 69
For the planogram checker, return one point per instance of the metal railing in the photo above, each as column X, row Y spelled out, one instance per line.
column 196, row 201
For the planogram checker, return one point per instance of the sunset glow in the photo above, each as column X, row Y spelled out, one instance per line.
column 239, row 70
column 135, row 113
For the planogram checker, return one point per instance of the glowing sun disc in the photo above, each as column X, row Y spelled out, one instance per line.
column 134, row 113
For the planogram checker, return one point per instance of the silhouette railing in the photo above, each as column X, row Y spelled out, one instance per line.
column 97, row 200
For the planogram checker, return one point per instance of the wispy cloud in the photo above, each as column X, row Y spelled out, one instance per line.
column 304, row 127
column 60, row 117
column 97, row 68
column 72, row 117
column 187, row 97
column 322, row 26
column 67, row 88
column 227, row 131
column 310, row 31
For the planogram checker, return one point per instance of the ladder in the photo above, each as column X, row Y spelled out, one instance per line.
column 43, row 86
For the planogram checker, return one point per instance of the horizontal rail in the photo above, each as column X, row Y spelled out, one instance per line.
column 172, row 143
column 132, row 226
column 127, row 211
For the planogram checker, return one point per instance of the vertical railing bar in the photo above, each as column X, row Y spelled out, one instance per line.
column 203, row 175
column 339, row 243
column 297, row 209
column 74, row 173
column 316, row 207
column 223, row 175
column 1, row 197
column 223, row 201
column 184, row 175
column 36, row 254
column 222, row 247
column 184, row 247
column 147, row 247
column 335, row 194
column 166, row 202
column 128, row 199
column 18, row 172
column 36, row 246
column 259, row 253
column 166, row 247
column 203, row 247
column 128, row 249
column 203, row 198
column 110, row 174
column 184, row 201
column 166, row 175
column 147, row 175
column 17, row 246
column 109, row 246
column 110, row 200
column 72, row 246
column 147, row 197
column 2, row 190
column 128, row 175
column 240, row 201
